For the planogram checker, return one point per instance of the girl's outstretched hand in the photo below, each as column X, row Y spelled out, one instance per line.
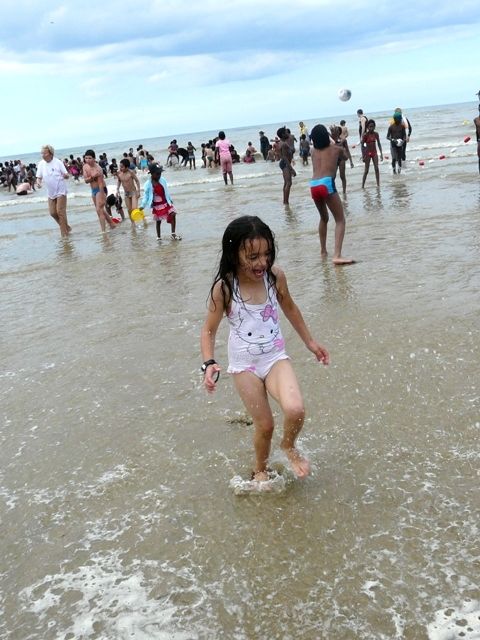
column 211, row 376
column 320, row 352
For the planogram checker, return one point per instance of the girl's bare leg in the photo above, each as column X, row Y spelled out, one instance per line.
column 99, row 202
column 336, row 207
column 343, row 176
column 365, row 173
column 287, row 184
column 322, row 226
column 130, row 207
column 282, row 384
column 377, row 171
column 254, row 396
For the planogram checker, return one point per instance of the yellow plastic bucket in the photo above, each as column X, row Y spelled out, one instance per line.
column 137, row 215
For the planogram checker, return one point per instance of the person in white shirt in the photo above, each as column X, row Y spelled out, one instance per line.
column 53, row 172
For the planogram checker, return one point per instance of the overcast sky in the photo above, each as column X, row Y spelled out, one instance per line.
column 83, row 72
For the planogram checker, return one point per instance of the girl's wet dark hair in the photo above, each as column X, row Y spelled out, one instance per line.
column 89, row 152
column 319, row 136
column 371, row 121
column 155, row 169
column 221, row 135
column 237, row 234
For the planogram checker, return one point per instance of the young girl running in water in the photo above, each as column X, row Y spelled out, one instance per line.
column 248, row 289
column 370, row 141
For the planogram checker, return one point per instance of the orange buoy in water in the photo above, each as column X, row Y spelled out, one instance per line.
column 467, row 139
column 441, row 157
column 421, row 163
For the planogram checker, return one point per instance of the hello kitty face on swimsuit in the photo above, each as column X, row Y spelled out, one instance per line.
column 260, row 338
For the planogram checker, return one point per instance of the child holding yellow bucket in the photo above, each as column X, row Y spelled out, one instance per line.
column 157, row 196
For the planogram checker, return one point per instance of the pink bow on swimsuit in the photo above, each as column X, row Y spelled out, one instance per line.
column 269, row 312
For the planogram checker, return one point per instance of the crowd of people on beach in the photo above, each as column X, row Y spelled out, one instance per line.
column 21, row 179
column 216, row 153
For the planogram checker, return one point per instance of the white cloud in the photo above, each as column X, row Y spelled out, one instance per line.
column 249, row 59
column 94, row 87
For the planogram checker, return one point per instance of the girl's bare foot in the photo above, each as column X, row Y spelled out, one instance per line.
column 260, row 476
column 298, row 463
column 341, row 261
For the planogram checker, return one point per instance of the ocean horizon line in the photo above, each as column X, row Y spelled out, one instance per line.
column 130, row 141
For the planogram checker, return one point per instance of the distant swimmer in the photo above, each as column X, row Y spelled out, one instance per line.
column 344, row 130
column 362, row 128
column 191, row 155
column 325, row 156
column 286, row 157
column 303, row 130
column 265, row 145
column 304, row 148
column 336, row 133
column 222, row 151
column 397, row 135
column 370, row 141
column 408, row 130
column 54, row 172
column 476, row 122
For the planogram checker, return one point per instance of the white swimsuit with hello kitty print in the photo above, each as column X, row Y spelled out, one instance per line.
column 255, row 342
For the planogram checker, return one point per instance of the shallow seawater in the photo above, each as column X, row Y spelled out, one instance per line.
column 117, row 519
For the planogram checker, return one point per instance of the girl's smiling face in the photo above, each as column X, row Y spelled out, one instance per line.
column 255, row 258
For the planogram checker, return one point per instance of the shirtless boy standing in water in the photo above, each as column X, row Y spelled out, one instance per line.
column 131, row 186
column 93, row 175
column 325, row 157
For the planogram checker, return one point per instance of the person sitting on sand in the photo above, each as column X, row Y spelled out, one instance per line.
column 248, row 157
column 23, row 189
column 325, row 155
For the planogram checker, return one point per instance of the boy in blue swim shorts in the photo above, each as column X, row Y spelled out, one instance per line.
column 325, row 157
